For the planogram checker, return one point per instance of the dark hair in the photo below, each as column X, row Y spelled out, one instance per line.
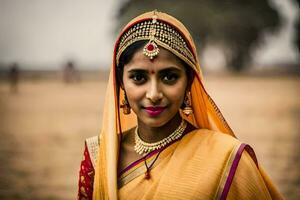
column 128, row 53
column 126, row 57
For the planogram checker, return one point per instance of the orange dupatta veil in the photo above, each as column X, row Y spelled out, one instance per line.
column 205, row 112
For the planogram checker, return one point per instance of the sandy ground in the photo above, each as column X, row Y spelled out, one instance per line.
column 44, row 125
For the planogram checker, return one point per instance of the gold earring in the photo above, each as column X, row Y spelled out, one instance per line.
column 187, row 110
column 125, row 105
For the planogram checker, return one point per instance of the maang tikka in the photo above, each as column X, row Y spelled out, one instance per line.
column 187, row 110
column 125, row 106
column 157, row 34
column 151, row 48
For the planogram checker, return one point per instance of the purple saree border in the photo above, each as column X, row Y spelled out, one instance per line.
column 149, row 155
column 232, row 171
column 138, row 161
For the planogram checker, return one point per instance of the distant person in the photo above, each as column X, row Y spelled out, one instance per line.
column 14, row 74
column 70, row 74
column 162, row 136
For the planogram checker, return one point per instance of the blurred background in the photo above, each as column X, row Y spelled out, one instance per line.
column 55, row 57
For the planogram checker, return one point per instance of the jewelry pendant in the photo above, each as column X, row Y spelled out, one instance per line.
column 151, row 49
column 147, row 174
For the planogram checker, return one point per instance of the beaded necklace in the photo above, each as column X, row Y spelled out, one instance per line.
column 142, row 147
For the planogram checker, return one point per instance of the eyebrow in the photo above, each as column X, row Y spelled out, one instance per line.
column 168, row 69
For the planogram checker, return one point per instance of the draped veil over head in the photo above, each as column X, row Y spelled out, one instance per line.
column 205, row 112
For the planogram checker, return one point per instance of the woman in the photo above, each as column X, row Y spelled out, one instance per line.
column 162, row 135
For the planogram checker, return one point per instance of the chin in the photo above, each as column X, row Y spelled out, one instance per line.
column 155, row 122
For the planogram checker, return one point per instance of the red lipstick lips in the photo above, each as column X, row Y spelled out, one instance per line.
column 154, row 111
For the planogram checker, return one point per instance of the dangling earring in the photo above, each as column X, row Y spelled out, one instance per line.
column 187, row 110
column 125, row 105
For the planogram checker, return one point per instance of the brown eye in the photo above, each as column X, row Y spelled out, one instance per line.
column 170, row 78
column 138, row 78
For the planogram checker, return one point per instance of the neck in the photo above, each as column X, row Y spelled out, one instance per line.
column 154, row 134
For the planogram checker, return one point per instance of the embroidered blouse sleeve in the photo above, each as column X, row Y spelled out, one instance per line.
column 86, row 177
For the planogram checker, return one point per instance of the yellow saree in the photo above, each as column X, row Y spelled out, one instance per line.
column 190, row 169
column 199, row 166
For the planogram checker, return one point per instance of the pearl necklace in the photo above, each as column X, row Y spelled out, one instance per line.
column 142, row 147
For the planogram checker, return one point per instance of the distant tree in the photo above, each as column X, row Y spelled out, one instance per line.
column 236, row 25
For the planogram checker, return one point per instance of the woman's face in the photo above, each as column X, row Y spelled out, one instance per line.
column 155, row 89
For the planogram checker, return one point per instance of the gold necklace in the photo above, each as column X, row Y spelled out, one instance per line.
column 142, row 147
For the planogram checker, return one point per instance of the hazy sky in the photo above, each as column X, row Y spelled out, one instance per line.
column 48, row 32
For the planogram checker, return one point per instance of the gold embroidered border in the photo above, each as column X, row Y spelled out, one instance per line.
column 92, row 144
column 135, row 172
column 141, row 168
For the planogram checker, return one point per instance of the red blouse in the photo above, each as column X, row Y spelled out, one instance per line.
column 86, row 177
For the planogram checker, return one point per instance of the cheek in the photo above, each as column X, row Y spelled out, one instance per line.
column 176, row 93
column 133, row 93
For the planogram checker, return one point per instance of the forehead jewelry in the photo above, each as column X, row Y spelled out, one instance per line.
column 155, row 32
column 151, row 49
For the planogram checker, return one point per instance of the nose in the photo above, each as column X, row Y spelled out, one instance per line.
column 153, row 92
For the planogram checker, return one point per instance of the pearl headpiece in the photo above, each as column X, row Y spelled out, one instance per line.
column 158, row 33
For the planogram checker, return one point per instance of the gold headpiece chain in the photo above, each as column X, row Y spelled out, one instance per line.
column 156, row 32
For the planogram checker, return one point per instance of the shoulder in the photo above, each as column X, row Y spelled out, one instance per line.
column 215, row 147
column 212, row 139
column 215, row 144
column 220, row 142
column 248, row 182
column 92, row 146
